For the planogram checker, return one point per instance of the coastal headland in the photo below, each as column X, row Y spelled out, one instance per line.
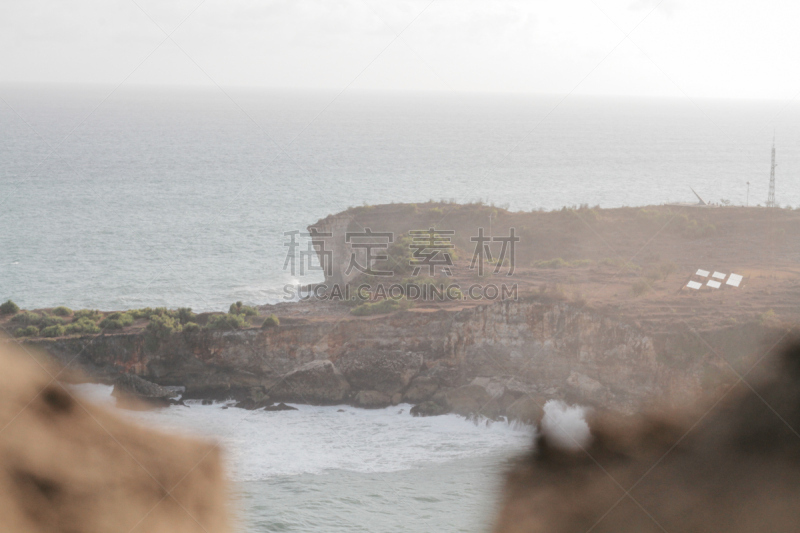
column 584, row 305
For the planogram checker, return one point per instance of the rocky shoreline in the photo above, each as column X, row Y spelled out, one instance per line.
column 500, row 361
column 582, row 328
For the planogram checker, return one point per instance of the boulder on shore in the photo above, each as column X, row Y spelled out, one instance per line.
column 317, row 382
column 280, row 407
column 387, row 371
column 370, row 399
column 429, row 408
column 468, row 400
column 131, row 387
column 422, row 388
column 255, row 398
column 525, row 410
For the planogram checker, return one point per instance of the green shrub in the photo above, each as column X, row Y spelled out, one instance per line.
column 620, row 264
column 381, row 307
column 62, row 311
column 240, row 309
column 149, row 312
column 191, row 327
column 92, row 314
column 117, row 321
column 640, row 287
column 767, row 317
column 551, row 263
column 27, row 318
column 272, row 321
column 9, row 308
column 28, row 331
column 82, row 326
column 185, row 315
column 145, row 312
column 162, row 326
column 667, row 268
column 54, row 331
column 227, row 322
column 48, row 321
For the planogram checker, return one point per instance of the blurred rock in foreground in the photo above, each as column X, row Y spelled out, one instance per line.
column 67, row 465
column 731, row 465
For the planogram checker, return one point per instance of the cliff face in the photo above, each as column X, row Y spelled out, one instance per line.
column 536, row 347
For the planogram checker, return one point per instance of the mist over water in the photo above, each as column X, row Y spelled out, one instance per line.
column 181, row 197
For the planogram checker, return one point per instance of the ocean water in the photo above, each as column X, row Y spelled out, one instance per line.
column 179, row 197
column 176, row 197
column 342, row 469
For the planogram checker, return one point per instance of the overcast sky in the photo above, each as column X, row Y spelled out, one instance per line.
column 696, row 48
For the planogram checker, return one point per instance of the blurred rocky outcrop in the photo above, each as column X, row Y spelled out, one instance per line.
column 67, row 465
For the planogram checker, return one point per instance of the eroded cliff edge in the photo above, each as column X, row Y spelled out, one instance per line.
column 479, row 359
column 580, row 330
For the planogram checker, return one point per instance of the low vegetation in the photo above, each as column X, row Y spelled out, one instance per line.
column 660, row 271
column 227, row 322
column 82, row 326
column 681, row 223
column 620, row 264
column 116, row 321
column 62, row 311
column 381, row 307
column 239, row 308
column 9, row 308
column 28, row 331
column 640, row 287
column 191, row 327
column 272, row 321
column 560, row 263
column 54, row 331
column 91, row 314
column 27, row 318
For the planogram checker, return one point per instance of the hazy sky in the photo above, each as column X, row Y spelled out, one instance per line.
column 699, row 48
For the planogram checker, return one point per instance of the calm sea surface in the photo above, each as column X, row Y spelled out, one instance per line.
column 181, row 198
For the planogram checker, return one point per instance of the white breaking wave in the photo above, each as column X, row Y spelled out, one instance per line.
column 316, row 439
column 565, row 425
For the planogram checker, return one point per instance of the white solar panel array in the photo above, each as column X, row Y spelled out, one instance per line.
column 734, row 280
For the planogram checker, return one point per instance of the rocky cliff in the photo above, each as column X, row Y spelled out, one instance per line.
column 481, row 359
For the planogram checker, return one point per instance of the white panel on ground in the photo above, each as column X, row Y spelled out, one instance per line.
column 734, row 279
column 694, row 285
column 718, row 275
column 714, row 284
column 702, row 273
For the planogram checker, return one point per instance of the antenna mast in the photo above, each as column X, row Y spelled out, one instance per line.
column 771, row 198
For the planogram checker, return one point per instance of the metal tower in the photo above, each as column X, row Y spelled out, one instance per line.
column 771, row 198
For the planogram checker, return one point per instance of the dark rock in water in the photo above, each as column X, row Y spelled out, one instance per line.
column 280, row 407
column 428, row 408
column 133, row 385
column 251, row 405
column 422, row 388
column 468, row 400
column 133, row 392
column 526, row 410
column 317, row 382
column 225, row 407
column 341, row 411
column 387, row 371
column 255, row 399
column 370, row 399
column 208, row 402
